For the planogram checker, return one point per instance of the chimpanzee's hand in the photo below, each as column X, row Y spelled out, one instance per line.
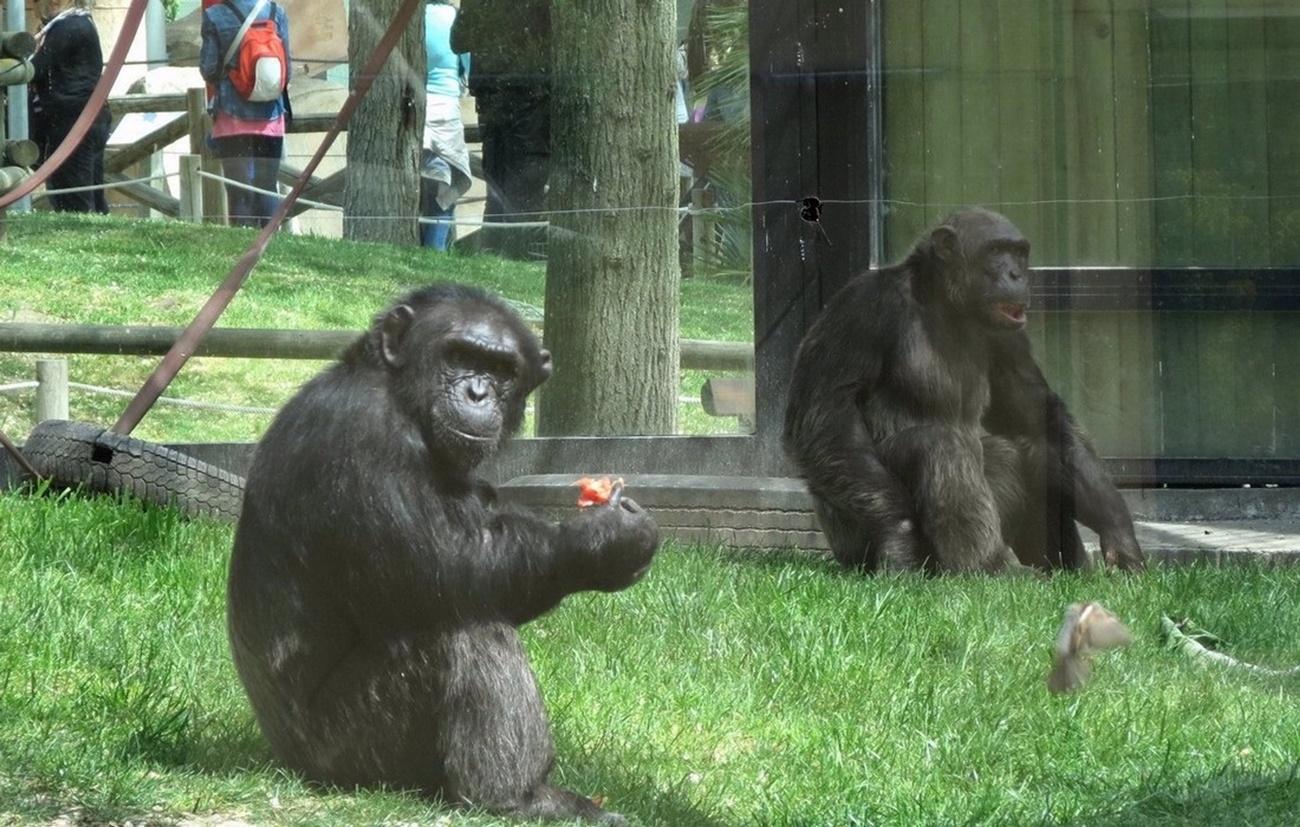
column 1120, row 549
column 611, row 545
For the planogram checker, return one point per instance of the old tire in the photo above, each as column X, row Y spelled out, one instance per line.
column 92, row 458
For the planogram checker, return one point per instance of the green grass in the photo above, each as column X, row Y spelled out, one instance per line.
column 724, row 689
column 94, row 270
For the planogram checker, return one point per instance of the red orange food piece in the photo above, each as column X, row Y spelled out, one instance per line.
column 595, row 491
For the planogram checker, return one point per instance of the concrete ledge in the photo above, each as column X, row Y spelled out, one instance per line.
column 673, row 490
column 1216, row 504
column 1219, row 542
column 764, row 512
column 1220, row 526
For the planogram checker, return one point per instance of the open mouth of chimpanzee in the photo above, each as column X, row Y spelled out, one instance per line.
column 1014, row 313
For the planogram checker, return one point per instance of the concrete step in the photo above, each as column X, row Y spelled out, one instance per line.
column 1217, row 541
column 1259, row 525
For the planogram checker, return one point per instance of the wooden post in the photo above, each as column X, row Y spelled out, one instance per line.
column 52, row 392
column 214, row 194
column 191, row 189
column 703, row 229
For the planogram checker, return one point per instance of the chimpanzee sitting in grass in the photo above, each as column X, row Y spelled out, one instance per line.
column 376, row 584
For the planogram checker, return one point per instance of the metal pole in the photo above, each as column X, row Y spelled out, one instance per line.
column 155, row 28
column 155, row 51
column 16, row 21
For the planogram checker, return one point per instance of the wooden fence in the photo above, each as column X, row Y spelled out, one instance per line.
column 261, row 343
column 202, row 197
column 720, row 397
column 194, row 121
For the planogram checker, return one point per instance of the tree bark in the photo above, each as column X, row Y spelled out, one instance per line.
column 612, row 275
column 382, row 198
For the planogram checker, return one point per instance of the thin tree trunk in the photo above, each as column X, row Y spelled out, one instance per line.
column 382, row 198
column 612, row 275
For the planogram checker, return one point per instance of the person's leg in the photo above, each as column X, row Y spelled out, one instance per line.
column 515, row 127
column 265, row 175
column 442, row 233
column 232, row 151
column 433, row 183
column 77, row 171
column 238, row 199
column 99, row 137
column 428, row 209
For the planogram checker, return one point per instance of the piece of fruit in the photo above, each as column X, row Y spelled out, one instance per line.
column 596, row 491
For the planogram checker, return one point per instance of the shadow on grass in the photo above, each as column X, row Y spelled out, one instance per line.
column 1228, row 796
column 818, row 562
column 636, row 796
column 762, row 558
column 237, row 751
column 227, row 753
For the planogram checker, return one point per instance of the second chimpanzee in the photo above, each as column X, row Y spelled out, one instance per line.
column 376, row 584
column 927, row 433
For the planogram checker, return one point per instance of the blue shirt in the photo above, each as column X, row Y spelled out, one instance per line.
column 446, row 68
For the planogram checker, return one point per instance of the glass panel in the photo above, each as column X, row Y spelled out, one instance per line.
column 1121, row 134
column 1129, row 133
column 612, row 217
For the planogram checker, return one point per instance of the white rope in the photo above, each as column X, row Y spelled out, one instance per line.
column 456, row 222
column 20, row 386
column 106, row 186
column 183, row 403
column 1055, row 202
column 682, row 212
column 320, row 205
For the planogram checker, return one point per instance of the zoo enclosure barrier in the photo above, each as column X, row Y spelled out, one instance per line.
column 202, row 195
column 52, row 381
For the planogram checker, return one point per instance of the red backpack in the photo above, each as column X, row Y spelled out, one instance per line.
column 256, row 62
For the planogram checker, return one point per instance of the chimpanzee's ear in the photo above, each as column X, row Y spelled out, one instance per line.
column 943, row 241
column 391, row 332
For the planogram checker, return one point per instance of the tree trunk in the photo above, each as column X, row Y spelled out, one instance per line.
column 612, row 277
column 382, row 198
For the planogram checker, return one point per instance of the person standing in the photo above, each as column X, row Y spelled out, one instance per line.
column 445, row 173
column 67, row 64
column 510, row 43
column 247, row 135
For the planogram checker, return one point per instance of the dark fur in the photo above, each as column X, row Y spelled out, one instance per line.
column 376, row 585
column 927, row 433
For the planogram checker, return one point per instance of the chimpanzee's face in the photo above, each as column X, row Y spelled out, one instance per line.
column 1002, row 270
column 985, row 265
column 464, row 372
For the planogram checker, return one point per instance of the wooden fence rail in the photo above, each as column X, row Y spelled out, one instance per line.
column 261, row 343
column 193, row 121
column 313, row 122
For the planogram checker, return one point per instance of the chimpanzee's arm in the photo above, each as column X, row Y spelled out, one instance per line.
column 825, row 433
column 830, row 444
column 521, row 567
column 412, row 564
column 528, row 564
column 524, row 564
column 1024, row 406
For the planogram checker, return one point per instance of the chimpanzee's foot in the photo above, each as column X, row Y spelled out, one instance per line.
column 554, row 804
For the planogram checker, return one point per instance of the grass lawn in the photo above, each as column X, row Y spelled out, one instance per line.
column 724, row 689
column 96, row 270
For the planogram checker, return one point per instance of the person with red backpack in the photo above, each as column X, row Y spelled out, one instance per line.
column 245, row 56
